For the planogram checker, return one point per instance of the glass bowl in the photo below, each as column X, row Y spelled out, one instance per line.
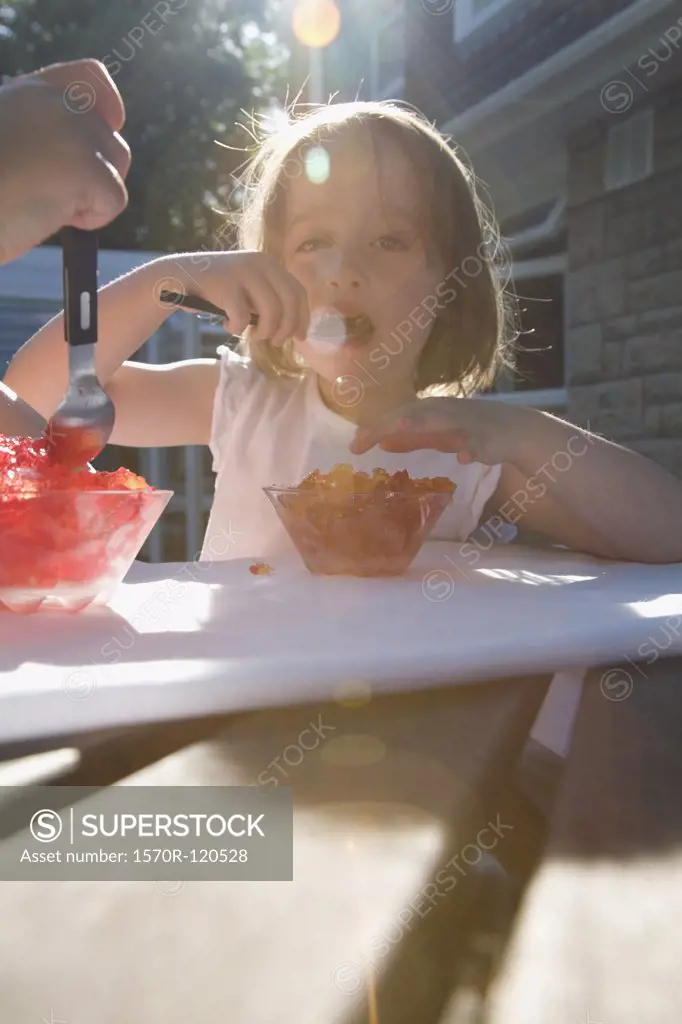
column 357, row 533
column 71, row 548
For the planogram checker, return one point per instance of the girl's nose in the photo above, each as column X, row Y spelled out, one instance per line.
column 344, row 277
column 343, row 270
column 345, row 281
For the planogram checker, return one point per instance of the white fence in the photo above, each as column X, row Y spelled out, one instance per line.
column 183, row 337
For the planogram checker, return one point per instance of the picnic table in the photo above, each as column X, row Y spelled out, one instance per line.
column 423, row 691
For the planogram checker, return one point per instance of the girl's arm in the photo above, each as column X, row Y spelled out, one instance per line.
column 17, row 419
column 557, row 479
column 155, row 405
column 578, row 489
column 170, row 404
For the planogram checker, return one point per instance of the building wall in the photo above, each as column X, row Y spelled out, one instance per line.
column 624, row 292
column 445, row 77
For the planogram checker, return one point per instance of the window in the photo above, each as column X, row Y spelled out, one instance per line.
column 469, row 14
column 630, row 151
column 539, row 378
column 540, row 349
column 388, row 58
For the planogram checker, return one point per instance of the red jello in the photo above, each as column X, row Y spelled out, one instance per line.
column 25, row 465
column 64, row 533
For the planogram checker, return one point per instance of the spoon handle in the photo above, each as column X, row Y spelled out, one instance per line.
column 198, row 305
column 79, row 254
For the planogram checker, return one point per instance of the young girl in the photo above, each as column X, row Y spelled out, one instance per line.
column 374, row 273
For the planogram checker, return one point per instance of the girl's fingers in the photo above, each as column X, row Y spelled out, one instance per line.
column 396, row 430
column 366, row 437
column 437, row 440
column 295, row 309
column 238, row 311
column 289, row 292
column 361, row 443
column 303, row 327
column 266, row 303
column 404, row 433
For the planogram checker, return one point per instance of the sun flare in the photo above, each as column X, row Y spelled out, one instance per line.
column 316, row 23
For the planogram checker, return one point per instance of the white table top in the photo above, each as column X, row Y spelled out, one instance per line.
column 182, row 640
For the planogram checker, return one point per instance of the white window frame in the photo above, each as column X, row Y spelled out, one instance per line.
column 396, row 86
column 467, row 20
column 638, row 129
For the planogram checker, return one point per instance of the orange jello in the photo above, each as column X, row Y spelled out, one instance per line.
column 360, row 524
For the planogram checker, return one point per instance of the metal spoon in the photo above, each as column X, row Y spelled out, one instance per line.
column 82, row 424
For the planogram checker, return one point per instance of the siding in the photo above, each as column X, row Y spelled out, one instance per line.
column 624, row 319
column 446, row 78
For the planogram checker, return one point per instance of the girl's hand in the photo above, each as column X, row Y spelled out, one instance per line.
column 243, row 282
column 474, row 429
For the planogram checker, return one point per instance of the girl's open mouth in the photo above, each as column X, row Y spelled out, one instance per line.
column 337, row 330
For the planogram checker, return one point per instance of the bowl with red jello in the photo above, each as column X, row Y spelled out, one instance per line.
column 67, row 538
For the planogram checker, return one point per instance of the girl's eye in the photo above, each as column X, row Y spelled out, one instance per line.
column 311, row 245
column 391, row 244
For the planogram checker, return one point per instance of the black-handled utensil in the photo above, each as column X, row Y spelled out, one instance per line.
column 79, row 270
column 198, row 305
column 82, row 424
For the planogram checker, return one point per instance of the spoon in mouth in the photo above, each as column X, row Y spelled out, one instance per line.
column 335, row 329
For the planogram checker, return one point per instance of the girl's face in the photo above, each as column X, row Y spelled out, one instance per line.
column 356, row 243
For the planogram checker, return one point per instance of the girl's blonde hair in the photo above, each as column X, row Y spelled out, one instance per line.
column 471, row 336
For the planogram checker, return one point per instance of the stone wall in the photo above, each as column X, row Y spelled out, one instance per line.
column 624, row 292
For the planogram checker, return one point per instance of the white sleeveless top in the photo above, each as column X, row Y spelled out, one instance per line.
column 274, row 432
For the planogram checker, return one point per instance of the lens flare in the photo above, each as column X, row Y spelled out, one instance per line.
column 316, row 23
column 317, row 165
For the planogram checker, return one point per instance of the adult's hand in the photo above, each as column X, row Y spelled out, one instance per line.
column 62, row 159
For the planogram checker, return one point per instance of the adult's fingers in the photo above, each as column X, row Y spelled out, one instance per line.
column 104, row 196
column 87, row 86
column 111, row 145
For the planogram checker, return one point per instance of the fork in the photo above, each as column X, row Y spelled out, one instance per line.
column 81, row 426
